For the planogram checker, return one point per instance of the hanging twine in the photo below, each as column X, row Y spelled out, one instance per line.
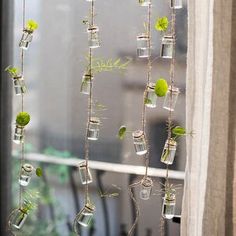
column 144, row 120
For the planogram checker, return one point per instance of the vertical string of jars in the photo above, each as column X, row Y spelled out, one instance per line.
column 167, row 51
column 149, row 101
column 85, row 216
column 18, row 216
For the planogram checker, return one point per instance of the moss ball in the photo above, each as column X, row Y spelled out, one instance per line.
column 22, row 119
column 161, row 87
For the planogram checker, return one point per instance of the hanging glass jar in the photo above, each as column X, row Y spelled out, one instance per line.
column 86, row 215
column 139, row 142
column 18, row 217
column 19, row 85
column 146, row 188
column 144, row 3
column 19, row 134
column 85, row 174
column 171, row 98
column 151, row 97
column 167, row 47
column 168, row 206
column 142, row 46
column 176, row 4
column 169, row 150
column 26, row 174
column 93, row 37
column 26, row 38
column 93, row 128
column 86, row 83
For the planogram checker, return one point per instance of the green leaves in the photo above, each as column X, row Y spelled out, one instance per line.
column 179, row 131
column 31, row 25
column 22, row 119
column 147, row 101
column 161, row 87
column 106, row 65
column 122, row 132
column 39, row 172
column 162, row 24
column 12, row 71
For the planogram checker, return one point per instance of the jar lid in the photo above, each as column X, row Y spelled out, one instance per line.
column 95, row 120
column 138, row 133
column 169, row 197
column 168, row 38
column 147, row 182
column 27, row 167
column 143, row 36
column 151, row 85
column 93, row 28
column 82, row 164
column 171, row 142
column 87, row 76
column 173, row 89
column 20, row 77
column 90, row 207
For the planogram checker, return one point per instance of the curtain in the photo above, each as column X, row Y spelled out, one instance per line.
column 210, row 112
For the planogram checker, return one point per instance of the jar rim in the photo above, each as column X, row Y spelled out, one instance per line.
column 143, row 35
column 151, row 85
column 147, row 182
column 138, row 133
column 93, row 28
column 173, row 89
column 94, row 120
column 171, row 142
column 28, row 167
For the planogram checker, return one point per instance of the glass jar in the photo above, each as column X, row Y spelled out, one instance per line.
column 19, row 134
column 85, row 174
column 144, row 3
column 169, row 150
column 151, row 97
column 142, row 46
column 26, row 174
column 19, row 85
column 86, row 215
column 86, row 84
column 93, row 128
column 171, row 98
column 93, row 37
column 18, row 217
column 176, row 4
column 168, row 206
column 167, row 47
column 146, row 188
column 26, row 38
column 140, row 145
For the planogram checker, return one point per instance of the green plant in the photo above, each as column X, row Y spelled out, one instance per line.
column 22, row 119
column 162, row 24
column 39, row 172
column 105, row 65
column 31, row 25
column 122, row 132
column 147, row 101
column 161, row 87
column 12, row 71
column 178, row 131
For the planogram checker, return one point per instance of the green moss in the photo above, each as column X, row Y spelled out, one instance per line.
column 122, row 132
column 23, row 118
column 12, row 71
column 31, row 25
column 161, row 87
column 162, row 24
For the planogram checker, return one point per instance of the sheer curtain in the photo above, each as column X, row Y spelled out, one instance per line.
column 208, row 193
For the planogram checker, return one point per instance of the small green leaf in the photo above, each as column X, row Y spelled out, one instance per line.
column 179, row 131
column 162, row 24
column 147, row 101
column 13, row 71
column 39, row 172
column 23, row 118
column 122, row 132
column 161, row 87
column 31, row 25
